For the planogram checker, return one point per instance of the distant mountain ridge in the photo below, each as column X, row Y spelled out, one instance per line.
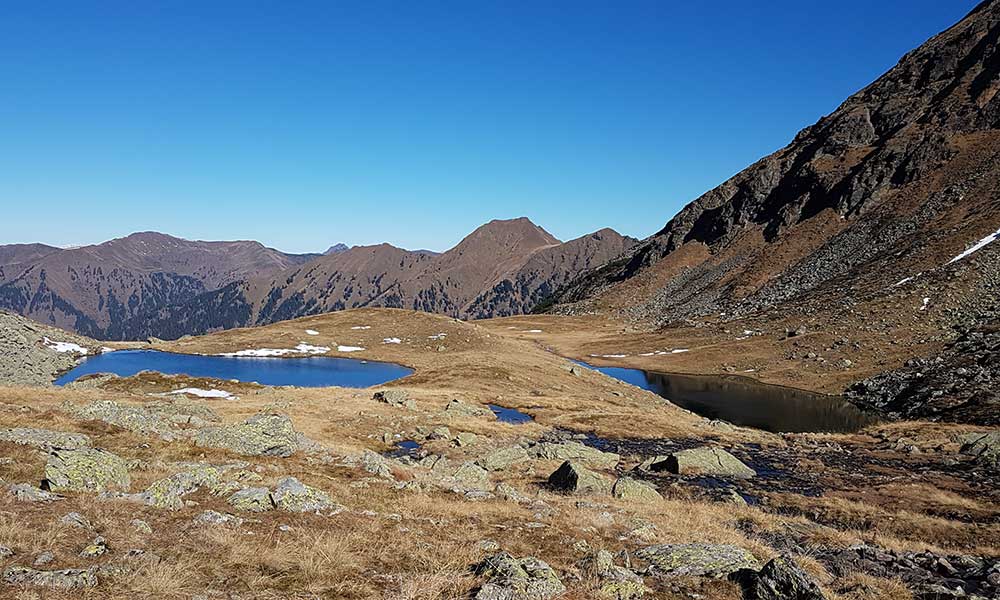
column 151, row 284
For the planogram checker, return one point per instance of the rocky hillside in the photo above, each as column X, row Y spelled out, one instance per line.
column 92, row 288
column 502, row 268
column 900, row 179
column 33, row 354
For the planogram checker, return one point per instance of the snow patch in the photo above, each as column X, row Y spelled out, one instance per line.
column 533, row 331
column 105, row 350
column 65, row 346
column 213, row 393
column 311, row 332
column 609, row 355
column 392, row 341
column 349, row 348
column 439, row 336
column 679, row 350
column 977, row 246
column 302, row 348
column 926, row 301
column 362, row 327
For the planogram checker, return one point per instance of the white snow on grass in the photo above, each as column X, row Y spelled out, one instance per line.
column 906, row 280
column 105, row 350
column 362, row 327
column 439, row 336
column 609, row 355
column 65, row 346
column 302, row 348
column 311, row 332
column 392, row 341
column 533, row 331
column 977, row 246
column 201, row 393
column 926, row 301
column 349, row 348
column 679, row 350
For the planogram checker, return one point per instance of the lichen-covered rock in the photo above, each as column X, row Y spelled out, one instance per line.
column 457, row 408
column 260, row 435
column 471, row 475
column 502, row 458
column 127, row 416
column 615, row 582
column 633, row 490
column 510, row 578
column 25, row 492
column 984, row 446
column 141, row 526
column 780, row 579
column 571, row 477
column 44, row 438
column 397, row 398
column 576, row 452
column 65, row 580
column 294, row 496
column 96, row 548
column 75, row 519
column 376, row 464
column 211, row 517
column 697, row 560
column 169, row 492
column 510, row 494
column 86, row 470
column 252, row 500
column 707, row 460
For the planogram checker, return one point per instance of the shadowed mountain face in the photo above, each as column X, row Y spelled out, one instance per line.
column 900, row 178
column 150, row 284
column 92, row 288
column 502, row 268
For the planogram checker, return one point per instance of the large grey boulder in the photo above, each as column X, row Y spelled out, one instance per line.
column 984, row 446
column 457, row 408
column 397, row 398
column 260, row 435
column 44, row 439
column 576, row 452
column 86, row 470
column 25, row 492
column 632, row 490
column 707, row 460
column 572, row 477
column 64, row 580
column 510, row 578
column 615, row 582
column 696, row 560
column 134, row 418
column 169, row 492
column 294, row 496
column 780, row 579
column 503, row 458
column 256, row 499
column 471, row 475
column 376, row 464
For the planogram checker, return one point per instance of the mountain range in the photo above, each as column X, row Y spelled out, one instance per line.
column 151, row 284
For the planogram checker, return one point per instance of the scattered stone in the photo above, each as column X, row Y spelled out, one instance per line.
column 984, row 446
column 616, row 583
column 24, row 492
column 6, row 552
column 465, row 438
column 86, row 470
column 252, row 500
column 440, row 433
column 43, row 559
column 780, row 579
column 696, row 560
column 509, row 493
column 214, row 518
column 471, row 475
column 577, row 452
column 633, row 490
column 511, row 578
column 141, row 526
column 95, row 548
column 260, row 435
column 707, row 460
column 397, row 398
column 461, row 409
column 376, row 464
column 503, row 458
column 65, row 579
column 44, row 439
column 75, row 519
column 572, row 477
column 294, row 496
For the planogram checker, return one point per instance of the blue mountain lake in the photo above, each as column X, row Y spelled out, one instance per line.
column 313, row 371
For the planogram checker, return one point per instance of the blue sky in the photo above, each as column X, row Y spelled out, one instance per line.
column 309, row 123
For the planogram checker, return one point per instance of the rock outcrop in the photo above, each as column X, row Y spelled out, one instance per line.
column 260, row 435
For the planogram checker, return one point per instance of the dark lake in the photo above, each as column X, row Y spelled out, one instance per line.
column 743, row 401
column 314, row 371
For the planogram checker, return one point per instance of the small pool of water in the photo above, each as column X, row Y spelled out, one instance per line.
column 743, row 401
column 405, row 448
column 510, row 415
column 314, row 371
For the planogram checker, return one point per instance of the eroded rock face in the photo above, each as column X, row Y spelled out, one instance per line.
column 576, row 452
column 510, row 578
column 65, row 579
column 293, row 495
column 260, row 435
column 780, row 579
column 86, row 470
column 697, row 560
column 707, row 460
column 572, row 477
column 44, row 439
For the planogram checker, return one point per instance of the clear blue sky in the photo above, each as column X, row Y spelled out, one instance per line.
column 306, row 123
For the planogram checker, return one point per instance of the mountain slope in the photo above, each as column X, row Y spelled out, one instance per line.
column 502, row 268
column 90, row 288
column 899, row 179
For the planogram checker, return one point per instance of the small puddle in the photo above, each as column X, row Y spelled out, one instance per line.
column 510, row 415
column 745, row 402
column 405, row 448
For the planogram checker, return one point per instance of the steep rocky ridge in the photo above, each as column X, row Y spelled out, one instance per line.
column 504, row 267
column 33, row 354
column 899, row 179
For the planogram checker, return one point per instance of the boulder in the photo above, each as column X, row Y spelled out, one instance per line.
column 75, row 519
column 96, row 548
column 633, row 490
column 211, row 517
column 256, row 499
column 615, row 582
column 471, row 475
column 577, row 452
column 133, row 418
column 45, row 439
column 294, row 496
column 457, row 408
column 572, row 477
column 65, row 580
column 707, row 460
column 86, row 470
column 24, row 492
column 260, row 435
column 169, row 492
column 696, row 560
column 397, row 398
column 984, row 446
column 510, row 578
column 780, row 579
column 376, row 464
column 503, row 458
